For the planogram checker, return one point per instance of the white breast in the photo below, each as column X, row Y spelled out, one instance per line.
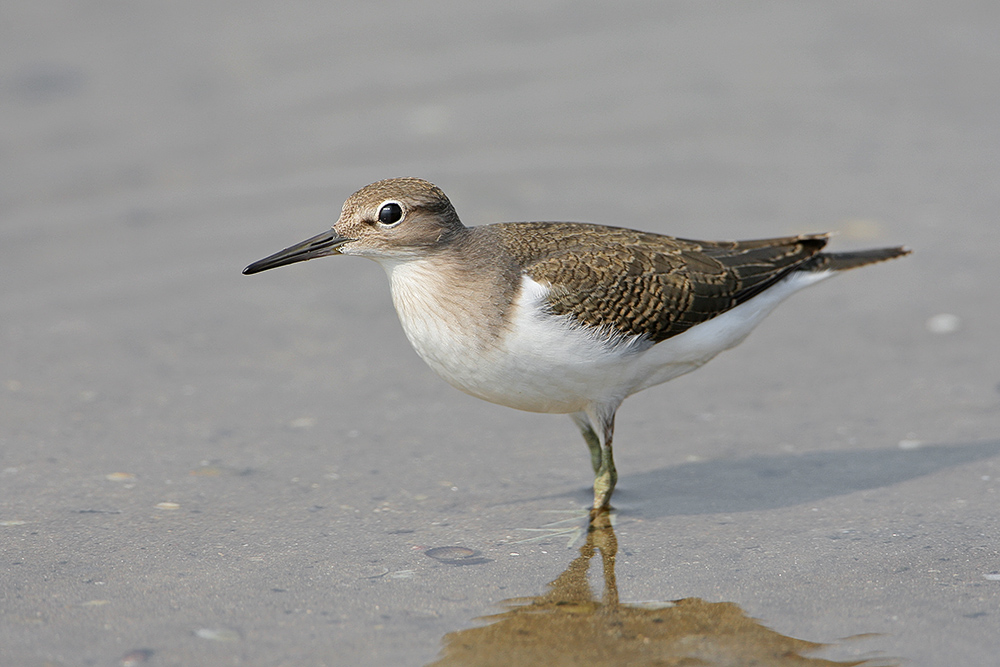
column 529, row 360
column 440, row 318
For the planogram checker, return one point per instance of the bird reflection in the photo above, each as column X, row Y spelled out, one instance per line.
column 568, row 625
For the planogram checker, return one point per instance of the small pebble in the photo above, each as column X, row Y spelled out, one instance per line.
column 119, row 476
column 217, row 635
column 943, row 323
column 167, row 506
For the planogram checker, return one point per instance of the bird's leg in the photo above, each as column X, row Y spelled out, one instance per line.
column 598, row 426
column 606, row 477
column 590, row 437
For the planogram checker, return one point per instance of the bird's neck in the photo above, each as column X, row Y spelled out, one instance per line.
column 451, row 298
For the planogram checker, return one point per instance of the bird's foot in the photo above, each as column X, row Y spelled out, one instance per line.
column 604, row 486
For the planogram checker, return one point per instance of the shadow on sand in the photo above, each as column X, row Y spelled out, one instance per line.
column 768, row 482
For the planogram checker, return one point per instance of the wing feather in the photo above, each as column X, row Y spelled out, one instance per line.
column 638, row 283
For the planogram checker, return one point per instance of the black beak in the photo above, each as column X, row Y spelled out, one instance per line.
column 320, row 245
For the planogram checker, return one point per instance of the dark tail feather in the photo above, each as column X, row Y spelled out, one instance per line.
column 841, row 261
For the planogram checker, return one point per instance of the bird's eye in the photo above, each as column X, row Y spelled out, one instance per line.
column 390, row 213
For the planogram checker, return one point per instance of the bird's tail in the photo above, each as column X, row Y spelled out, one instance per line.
column 841, row 261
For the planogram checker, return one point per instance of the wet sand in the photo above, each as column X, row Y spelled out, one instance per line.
column 200, row 467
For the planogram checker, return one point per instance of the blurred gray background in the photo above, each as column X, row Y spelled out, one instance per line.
column 231, row 470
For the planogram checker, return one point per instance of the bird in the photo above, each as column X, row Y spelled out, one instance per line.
column 565, row 317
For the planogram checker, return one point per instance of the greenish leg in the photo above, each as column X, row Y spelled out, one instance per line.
column 590, row 437
column 601, row 455
column 605, row 480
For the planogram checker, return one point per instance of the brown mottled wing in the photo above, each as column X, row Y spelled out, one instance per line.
column 640, row 283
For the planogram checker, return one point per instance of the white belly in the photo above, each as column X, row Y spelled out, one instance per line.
column 542, row 363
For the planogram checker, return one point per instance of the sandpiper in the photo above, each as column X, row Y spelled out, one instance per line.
column 564, row 317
